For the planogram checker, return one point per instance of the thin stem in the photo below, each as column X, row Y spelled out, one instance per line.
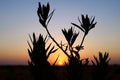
column 82, row 41
column 70, row 49
column 56, row 42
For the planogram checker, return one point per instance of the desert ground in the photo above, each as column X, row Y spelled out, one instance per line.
column 22, row 72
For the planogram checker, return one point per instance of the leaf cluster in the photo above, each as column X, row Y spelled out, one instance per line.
column 86, row 24
column 103, row 60
column 100, row 66
column 43, row 14
column 70, row 35
column 40, row 53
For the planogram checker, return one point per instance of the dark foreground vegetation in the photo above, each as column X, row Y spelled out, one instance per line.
column 23, row 73
column 76, row 69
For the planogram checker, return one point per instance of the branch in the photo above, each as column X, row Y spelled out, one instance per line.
column 82, row 41
column 56, row 42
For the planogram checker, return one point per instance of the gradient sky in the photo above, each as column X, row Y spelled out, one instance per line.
column 18, row 18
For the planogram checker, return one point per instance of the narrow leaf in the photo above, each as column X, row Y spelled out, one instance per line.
column 48, row 47
column 50, row 51
column 55, row 61
column 77, row 26
column 30, row 38
column 45, row 39
column 50, row 16
column 66, row 48
column 97, row 62
column 29, row 45
column 34, row 38
column 54, row 50
column 30, row 54
column 74, row 38
column 79, row 21
column 100, row 56
column 77, row 54
column 92, row 25
column 92, row 20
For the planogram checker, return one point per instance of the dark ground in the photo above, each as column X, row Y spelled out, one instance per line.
column 23, row 73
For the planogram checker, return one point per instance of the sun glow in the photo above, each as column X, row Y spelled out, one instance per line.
column 60, row 63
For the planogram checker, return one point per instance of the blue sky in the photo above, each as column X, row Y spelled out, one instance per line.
column 18, row 18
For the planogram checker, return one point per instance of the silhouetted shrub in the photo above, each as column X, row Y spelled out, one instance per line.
column 40, row 67
column 100, row 66
column 74, row 65
column 39, row 54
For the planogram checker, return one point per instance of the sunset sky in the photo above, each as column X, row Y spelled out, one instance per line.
column 18, row 18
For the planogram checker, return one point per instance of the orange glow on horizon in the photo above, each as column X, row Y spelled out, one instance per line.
column 21, row 56
column 60, row 63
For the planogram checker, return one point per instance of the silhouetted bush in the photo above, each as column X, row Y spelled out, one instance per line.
column 40, row 67
column 100, row 66
column 39, row 54
column 74, row 65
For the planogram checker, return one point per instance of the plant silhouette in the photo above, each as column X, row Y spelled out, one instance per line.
column 86, row 24
column 74, row 61
column 74, row 66
column 100, row 66
column 39, row 54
